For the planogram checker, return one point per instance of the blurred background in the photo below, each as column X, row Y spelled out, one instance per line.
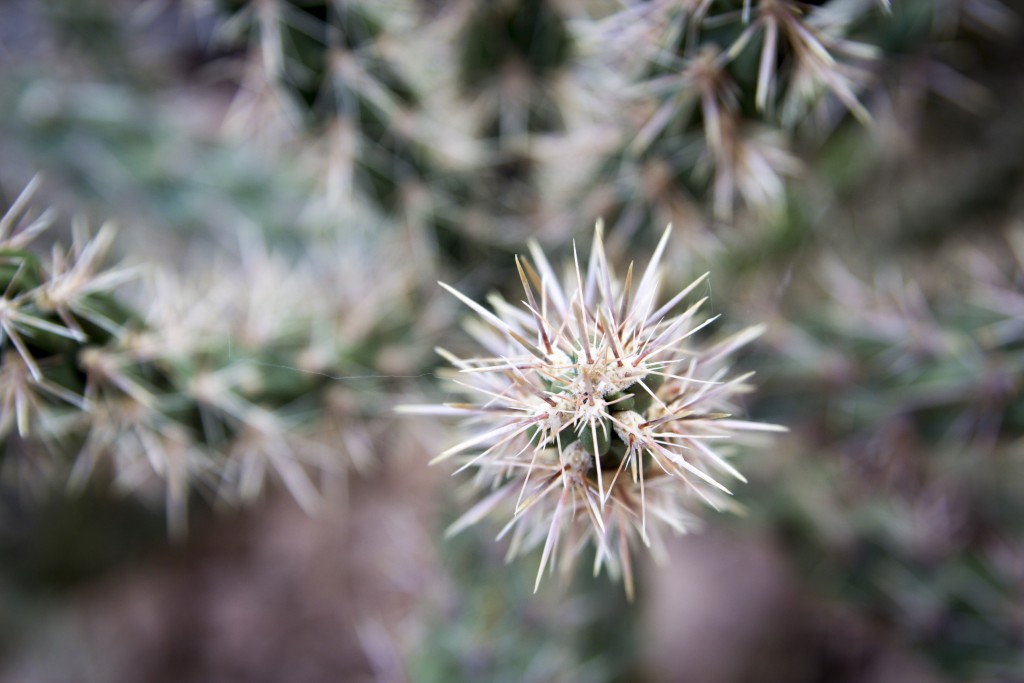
column 201, row 475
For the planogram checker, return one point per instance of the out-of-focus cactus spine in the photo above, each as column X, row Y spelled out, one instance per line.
column 48, row 315
column 717, row 102
column 710, row 93
column 325, row 66
column 222, row 379
column 915, row 432
column 511, row 55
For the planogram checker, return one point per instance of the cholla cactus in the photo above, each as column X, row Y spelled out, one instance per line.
column 714, row 91
column 221, row 382
column 594, row 413
column 47, row 314
column 67, row 374
column 919, row 369
column 325, row 68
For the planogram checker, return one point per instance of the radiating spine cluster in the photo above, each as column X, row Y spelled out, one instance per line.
column 594, row 411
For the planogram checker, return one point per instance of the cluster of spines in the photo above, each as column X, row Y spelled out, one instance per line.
column 597, row 412
column 210, row 383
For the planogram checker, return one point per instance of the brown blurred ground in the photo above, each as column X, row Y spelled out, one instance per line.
column 265, row 595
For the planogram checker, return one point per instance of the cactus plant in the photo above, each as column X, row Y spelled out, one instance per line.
column 598, row 416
